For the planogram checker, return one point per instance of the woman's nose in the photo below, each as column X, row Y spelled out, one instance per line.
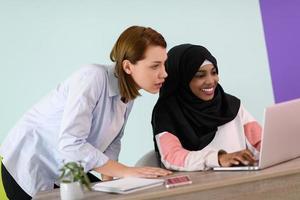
column 209, row 79
column 163, row 72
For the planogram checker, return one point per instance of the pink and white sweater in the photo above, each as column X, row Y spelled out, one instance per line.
column 240, row 133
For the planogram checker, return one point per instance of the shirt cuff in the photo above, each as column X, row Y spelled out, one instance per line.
column 99, row 162
column 102, row 161
column 212, row 159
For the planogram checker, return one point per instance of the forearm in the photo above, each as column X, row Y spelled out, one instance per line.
column 175, row 157
column 114, row 169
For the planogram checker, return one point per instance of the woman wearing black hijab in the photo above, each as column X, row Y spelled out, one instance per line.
column 197, row 125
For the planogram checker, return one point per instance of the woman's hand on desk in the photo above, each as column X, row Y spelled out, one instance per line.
column 115, row 169
column 244, row 157
column 147, row 172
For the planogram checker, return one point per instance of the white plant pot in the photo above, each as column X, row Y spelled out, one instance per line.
column 71, row 191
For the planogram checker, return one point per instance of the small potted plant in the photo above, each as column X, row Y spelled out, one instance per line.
column 72, row 180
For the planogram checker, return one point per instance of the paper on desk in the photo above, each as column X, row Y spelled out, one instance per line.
column 127, row 185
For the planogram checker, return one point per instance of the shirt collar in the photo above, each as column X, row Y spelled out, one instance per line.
column 113, row 82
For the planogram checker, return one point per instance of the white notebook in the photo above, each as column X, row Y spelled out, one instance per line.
column 127, row 185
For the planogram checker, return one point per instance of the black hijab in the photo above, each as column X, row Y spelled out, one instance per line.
column 192, row 120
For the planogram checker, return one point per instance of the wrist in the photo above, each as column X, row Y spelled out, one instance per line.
column 221, row 153
column 126, row 171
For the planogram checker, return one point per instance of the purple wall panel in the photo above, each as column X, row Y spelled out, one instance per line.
column 281, row 20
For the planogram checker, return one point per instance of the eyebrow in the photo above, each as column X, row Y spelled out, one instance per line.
column 158, row 62
column 200, row 70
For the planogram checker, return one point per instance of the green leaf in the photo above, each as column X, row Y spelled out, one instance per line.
column 73, row 172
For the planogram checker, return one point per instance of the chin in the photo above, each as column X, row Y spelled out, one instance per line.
column 210, row 98
column 205, row 98
column 153, row 91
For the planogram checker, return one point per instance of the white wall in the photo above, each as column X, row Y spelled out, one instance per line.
column 42, row 42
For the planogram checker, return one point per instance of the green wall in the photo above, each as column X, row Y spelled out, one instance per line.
column 43, row 42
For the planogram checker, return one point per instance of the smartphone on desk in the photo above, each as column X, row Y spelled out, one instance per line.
column 177, row 181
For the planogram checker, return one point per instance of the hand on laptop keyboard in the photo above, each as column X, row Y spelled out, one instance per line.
column 244, row 157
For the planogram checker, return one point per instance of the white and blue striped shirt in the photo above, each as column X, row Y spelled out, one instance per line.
column 81, row 120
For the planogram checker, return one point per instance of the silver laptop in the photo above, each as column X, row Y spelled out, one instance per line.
column 280, row 137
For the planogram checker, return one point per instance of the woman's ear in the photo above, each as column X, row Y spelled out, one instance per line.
column 127, row 66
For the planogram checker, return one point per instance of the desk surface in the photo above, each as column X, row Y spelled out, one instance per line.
column 278, row 182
